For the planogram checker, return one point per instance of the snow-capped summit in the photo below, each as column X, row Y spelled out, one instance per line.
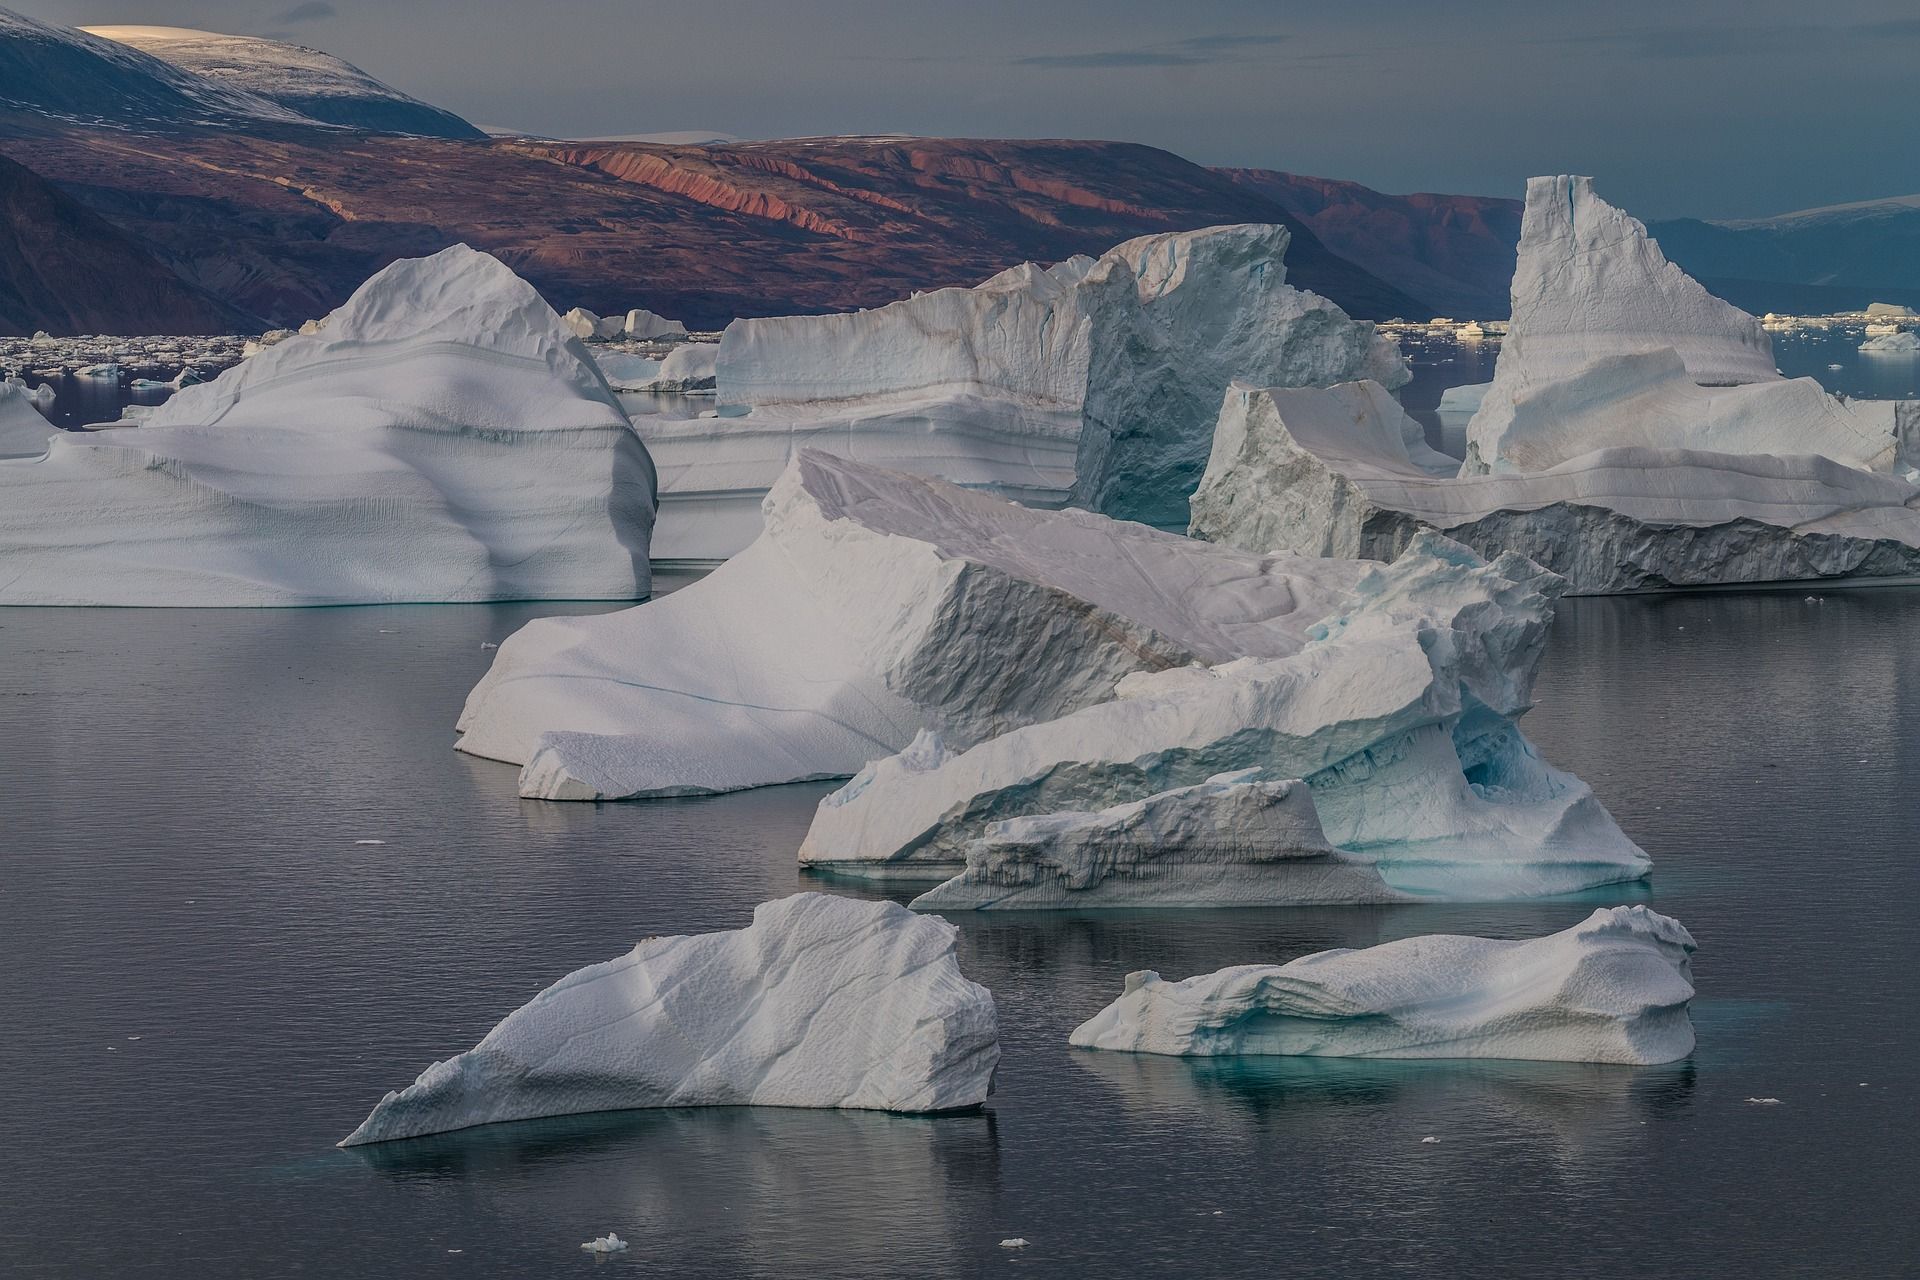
column 315, row 84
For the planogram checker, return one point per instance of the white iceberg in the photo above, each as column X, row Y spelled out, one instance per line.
column 626, row 371
column 1613, row 988
column 820, row 1002
column 608, row 1243
column 1898, row 343
column 874, row 604
column 588, row 327
column 1233, row 840
column 443, row 438
column 1092, row 380
column 24, row 430
column 691, row 366
column 641, row 323
column 1344, row 472
column 1398, row 711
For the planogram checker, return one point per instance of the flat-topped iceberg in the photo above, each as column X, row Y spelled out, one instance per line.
column 1095, row 381
column 873, row 605
column 441, row 438
column 1902, row 342
column 820, row 1002
column 1233, row 840
column 1398, row 712
column 1613, row 988
column 1343, row 472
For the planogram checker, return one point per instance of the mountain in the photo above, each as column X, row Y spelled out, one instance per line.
column 316, row 85
column 1840, row 257
column 67, row 270
column 285, row 222
column 1456, row 252
column 69, row 75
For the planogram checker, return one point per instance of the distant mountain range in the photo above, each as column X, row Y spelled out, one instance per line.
column 266, row 181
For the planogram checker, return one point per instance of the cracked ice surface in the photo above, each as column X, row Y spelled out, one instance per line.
column 820, row 1002
column 1613, row 988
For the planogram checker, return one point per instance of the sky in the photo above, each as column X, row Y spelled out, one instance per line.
column 1714, row 108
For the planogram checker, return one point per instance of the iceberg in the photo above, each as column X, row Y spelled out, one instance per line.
column 442, row 438
column 1233, row 840
column 588, row 327
column 820, row 1002
column 874, row 604
column 1344, row 472
column 641, row 323
column 1613, row 988
column 24, row 430
column 1898, row 343
column 1397, row 710
column 1094, row 381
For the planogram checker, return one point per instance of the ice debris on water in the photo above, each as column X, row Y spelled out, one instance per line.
column 608, row 1243
column 1015, row 1242
column 1765, row 1102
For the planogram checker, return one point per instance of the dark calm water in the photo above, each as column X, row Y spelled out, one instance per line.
column 206, row 982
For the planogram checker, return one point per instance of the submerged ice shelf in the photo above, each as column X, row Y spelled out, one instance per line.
column 1614, row 988
column 820, row 1002
column 440, row 438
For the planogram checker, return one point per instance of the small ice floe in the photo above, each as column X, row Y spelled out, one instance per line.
column 488, row 644
column 608, row 1243
column 1429, row 1139
column 1815, row 599
column 1764, row 1102
column 369, row 841
column 1016, row 1242
column 388, row 631
column 1836, row 366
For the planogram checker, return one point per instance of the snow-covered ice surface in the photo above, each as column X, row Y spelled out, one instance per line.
column 1095, row 380
column 873, row 605
column 1231, row 840
column 24, row 430
column 1397, row 710
column 1343, row 472
column 1613, row 988
column 443, row 438
column 1901, row 342
column 821, row 1002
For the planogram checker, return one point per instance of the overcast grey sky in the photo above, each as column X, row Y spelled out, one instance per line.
column 1715, row 108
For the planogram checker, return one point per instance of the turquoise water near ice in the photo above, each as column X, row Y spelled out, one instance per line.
column 207, row 982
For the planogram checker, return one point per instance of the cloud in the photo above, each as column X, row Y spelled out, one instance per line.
column 308, row 11
column 1193, row 51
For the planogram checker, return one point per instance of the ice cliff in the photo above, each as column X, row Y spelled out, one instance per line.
column 1614, row 988
column 820, row 1002
column 441, row 438
column 24, row 430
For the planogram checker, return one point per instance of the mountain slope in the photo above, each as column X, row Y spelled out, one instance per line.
column 1844, row 255
column 66, row 270
column 70, row 75
column 316, row 85
column 1457, row 252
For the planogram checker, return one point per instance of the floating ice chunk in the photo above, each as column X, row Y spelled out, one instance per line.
column 1232, row 840
column 1765, row 1102
column 1613, row 988
column 628, row 372
column 1398, row 712
column 874, row 605
column 691, row 366
column 608, row 1243
column 24, row 430
column 442, row 439
column 641, row 323
column 1015, row 1242
column 1342, row 472
column 820, row 1002
column 1902, row 342
column 588, row 327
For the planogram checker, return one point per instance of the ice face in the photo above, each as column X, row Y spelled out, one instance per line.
column 441, row 438
column 820, row 1002
column 1614, row 988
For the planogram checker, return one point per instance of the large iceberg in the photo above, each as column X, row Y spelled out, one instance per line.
column 441, row 438
column 1613, row 988
column 1635, row 436
column 820, row 1002
column 1344, row 472
column 873, row 605
column 24, row 430
column 1095, row 381
column 1397, row 710
column 1233, row 840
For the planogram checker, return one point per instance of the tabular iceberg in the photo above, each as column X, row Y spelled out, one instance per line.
column 1397, row 710
column 874, row 604
column 820, row 1002
column 24, row 430
column 1903, row 342
column 1095, row 381
column 1344, row 472
column 1233, row 840
column 441, row 438
column 1613, row 988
